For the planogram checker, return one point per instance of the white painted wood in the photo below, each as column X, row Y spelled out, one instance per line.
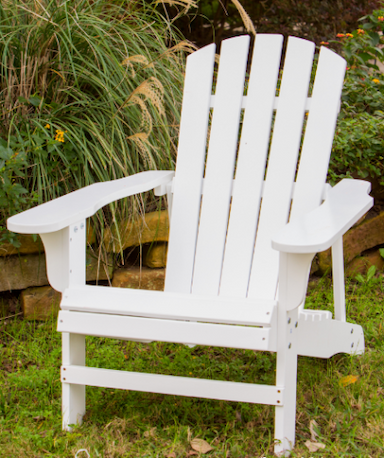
column 326, row 188
column 56, row 246
column 295, row 277
column 319, row 229
column 281, row 165
column 77, row 205
column 338, row 280
column 287, row 349
column 181, row 386
column 189, row 170
column 325, row 338
column 319, row 132
column 286, row 375
column 73, row 396
column 276, row 100
column 191, row 333
column 158, row 304
column 65, row 256
column 220, row 166
column 246, row 195
column 77, row 253
column 169, row 200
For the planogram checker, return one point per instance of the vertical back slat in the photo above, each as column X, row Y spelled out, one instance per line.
column 220, row 166
column 319, row 133
column 189, row 169
column 251, row 162
column 282, row 165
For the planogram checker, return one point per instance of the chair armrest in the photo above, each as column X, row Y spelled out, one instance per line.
column 83, row 203
column 319, row 229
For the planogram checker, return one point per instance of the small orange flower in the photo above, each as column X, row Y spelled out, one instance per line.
column 59, row 136
column 349, row 35
column 375, row 80
column 380, row 18
column 324, row 43
column 340, row 35
column 47, row 126
column 360, row 32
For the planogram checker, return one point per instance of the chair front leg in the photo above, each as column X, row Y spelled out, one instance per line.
column 65, row 253
column 293, row 280
column 73, row 396
column 286, row 376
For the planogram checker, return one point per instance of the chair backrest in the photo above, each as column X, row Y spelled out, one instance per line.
column 232, row 196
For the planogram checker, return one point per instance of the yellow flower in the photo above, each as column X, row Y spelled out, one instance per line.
column 59, row 136
column 375, row 80
column 47, row 126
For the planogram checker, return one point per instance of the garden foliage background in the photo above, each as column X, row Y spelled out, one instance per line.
column 91, row 90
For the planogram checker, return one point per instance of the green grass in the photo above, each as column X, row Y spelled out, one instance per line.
column 131, row 424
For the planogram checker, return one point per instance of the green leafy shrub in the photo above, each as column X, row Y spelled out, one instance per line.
column 13, row 196
column 358, row 149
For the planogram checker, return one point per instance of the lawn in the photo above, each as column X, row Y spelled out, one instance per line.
column 340, row 400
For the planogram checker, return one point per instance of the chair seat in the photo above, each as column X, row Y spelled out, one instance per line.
column 166, row 305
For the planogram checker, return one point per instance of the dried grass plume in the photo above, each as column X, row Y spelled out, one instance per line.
column 248, row 24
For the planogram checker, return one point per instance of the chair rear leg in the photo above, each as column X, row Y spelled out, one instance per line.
column 73, row 396
column 286, row 376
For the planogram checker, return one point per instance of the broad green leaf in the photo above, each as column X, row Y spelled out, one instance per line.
column 371, row 272
column 35, row 101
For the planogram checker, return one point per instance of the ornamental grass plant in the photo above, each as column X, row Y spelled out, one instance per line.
column 84, row 97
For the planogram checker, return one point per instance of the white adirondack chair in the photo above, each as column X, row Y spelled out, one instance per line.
column 232, row 259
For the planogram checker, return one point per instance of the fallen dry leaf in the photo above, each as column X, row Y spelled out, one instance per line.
column 348, row 380
column 314, row 446
column 171, row 455
column 191, row 453
column 151, row 432
column 312, row 425
column 200, row 445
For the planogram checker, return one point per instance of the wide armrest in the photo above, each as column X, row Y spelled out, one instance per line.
column 83, row 203
column 316, row 231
